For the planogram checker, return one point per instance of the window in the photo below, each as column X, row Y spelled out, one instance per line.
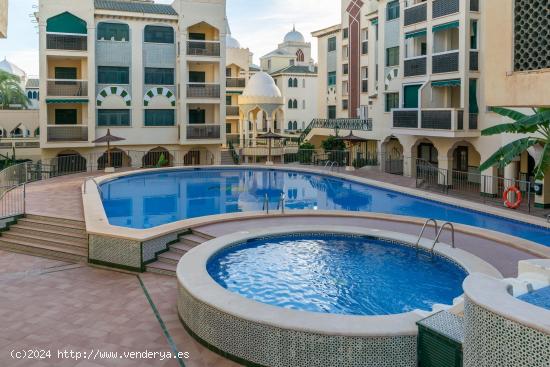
column 331, row 112
column 345, row 33
column 197, row 116
column 159, row 34
column 290, row 82
column 393, row 10
column 295, row 104
column 300, row 56
column 159, row 76
column 65, row 73
column 364, row 80
column 392, row 101
column 331, row 78
column 160, row 118
column 197, row 36
column 295, row 83
column 345, row 52
column 345, row 104
column 392, row 56
column 113, row 32
column 65, row 117
column 228, row 128
column 345, row 88
column 290, row 125
column 345, row 69
column 473, row 35
column 29, row 95
column 228, row 100
column 113, row 117
column 331, row 44
column 113, row 75
column 290, row 103
column 295, row 125
column 228, row 72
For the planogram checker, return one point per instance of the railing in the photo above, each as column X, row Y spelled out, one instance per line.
column 203, row 90
column 405, row 118
column 346, row 124
column 12, row 201
column 197, row 132
column 233, row 139
column 67, row 133
column 203, row 48
column 437, row 119
column 474, row 60
column 67, row 88
column 416, row 14
column 232, row 110
column 441, row 8
column 66, row 42
column 428, row 175
column 235, row 82
column 416, row 66
column 445, row 62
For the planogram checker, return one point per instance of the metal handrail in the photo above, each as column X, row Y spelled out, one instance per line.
column 424, row 229
column 436, row 241
column 281, row 204
column 266, row 204
column 334, row 163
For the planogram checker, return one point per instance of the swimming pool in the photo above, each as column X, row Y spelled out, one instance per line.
column 539, row 298
column 147, row 200
column 337, row 274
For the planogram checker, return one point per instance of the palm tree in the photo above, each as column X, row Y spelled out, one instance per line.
column 536, row 127
column 11, row 91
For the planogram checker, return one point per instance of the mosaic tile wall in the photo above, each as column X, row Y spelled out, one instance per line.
column 532, row 30
column 275, row 347
column 491, row 341
column 152, row 247
column 115, row 251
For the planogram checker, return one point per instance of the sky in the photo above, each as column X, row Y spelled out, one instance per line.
column 259, row 25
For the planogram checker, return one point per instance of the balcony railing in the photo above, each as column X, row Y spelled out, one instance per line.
column 415, row 66
column 441, row 8
column 232, row 110
column 432, row 118
column 203, row 48
column 67, row 133
column 445, row 62
column 236, row 82
column 416, row 14
column 474, row 61
column 67, row 88
column 203, row 90
column 404, row 118
column 202, row 132
column 66, row 42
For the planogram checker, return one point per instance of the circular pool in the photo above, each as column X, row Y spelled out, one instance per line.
column 337, row 274
column 317, row 296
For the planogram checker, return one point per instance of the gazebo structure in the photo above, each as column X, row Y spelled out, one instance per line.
column 261, row 111
column 352, row 141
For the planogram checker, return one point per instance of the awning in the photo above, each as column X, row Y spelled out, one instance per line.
column 447, row 83
column 415, row 34
column 65, row 100
column 234, row 92
column 374, row 21
column 442, row 27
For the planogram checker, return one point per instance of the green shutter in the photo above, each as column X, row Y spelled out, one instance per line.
column 411, row 96
column 442, row 27
column 474, row 108
column 66, row 23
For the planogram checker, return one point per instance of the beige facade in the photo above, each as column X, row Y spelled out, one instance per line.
column 19, row 134
column 153, row 74
column 3, row 18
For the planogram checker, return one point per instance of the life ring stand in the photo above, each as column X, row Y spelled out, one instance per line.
column 519, row 197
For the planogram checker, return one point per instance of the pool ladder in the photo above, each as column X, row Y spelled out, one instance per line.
column 438, row 232
column 280, row 204
column 330, row 164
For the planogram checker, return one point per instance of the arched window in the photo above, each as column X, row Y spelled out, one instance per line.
column 35, row 95
column 29, row 95
column 113, row 32
column 295, row 125
column 290, row 125
column 295, row 83
column 158, row 34
column 290, row 83
column 300, row 56
column 290, row 103
column 295, row 104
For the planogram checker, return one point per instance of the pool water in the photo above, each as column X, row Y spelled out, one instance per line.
column 148, row 200
column 539, row 298
column 337, row 274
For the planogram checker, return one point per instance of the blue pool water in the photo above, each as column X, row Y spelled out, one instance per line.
column 336, row 274
column 539, row 298
column 152, row 199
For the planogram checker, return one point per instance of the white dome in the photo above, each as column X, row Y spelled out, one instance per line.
column 231, row 42
column 294, row 36
column 261, row 85
column 13, row 69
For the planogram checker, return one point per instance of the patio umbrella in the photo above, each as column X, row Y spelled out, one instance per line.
column 269, row 136
column 108, row 139
column 352, row 140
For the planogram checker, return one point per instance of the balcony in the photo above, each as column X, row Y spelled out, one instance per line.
column 203, row 90
column 405, row 118
column 203, row 132
column 441, row 8
column 232, row 110
column 203, row 48
column 416, row 14
column 67, row 88
column 66, row 42
column 67, row 133
column 444, row 122
column 235, row 82
column 474, row 60
column 416, row 66
column 445, row 62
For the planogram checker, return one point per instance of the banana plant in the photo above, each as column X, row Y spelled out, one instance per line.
column 535, row 127
column 11, row 91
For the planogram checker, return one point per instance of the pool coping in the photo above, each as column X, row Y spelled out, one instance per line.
column 193, row 276
column 97, row 222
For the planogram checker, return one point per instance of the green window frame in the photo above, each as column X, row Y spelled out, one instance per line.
column 112, row 117
column 113, row 31
column 159, row 76
column 391, row 101
column 331, row 44
column 393, row 10
column 392, row 56
column 331, row 112
column 473, row 35
column 113, row 75
column 160, row 118
column 158, row 34
column 65, row 116
column 331, row 78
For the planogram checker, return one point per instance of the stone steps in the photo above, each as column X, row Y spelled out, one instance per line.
column 56, row 238
column 227, row 159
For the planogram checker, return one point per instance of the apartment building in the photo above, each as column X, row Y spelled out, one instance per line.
column 3, row 18
column 426, row 73
column 153, row 74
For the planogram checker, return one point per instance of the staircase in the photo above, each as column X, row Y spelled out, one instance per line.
column 227, row 158
column 168, row 261
column 55, row 238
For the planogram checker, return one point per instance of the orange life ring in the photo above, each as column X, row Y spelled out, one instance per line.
column 519, row 198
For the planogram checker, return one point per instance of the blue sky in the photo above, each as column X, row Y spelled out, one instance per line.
column 258, row 24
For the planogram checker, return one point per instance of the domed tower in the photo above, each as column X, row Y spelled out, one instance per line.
column 13, row 69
